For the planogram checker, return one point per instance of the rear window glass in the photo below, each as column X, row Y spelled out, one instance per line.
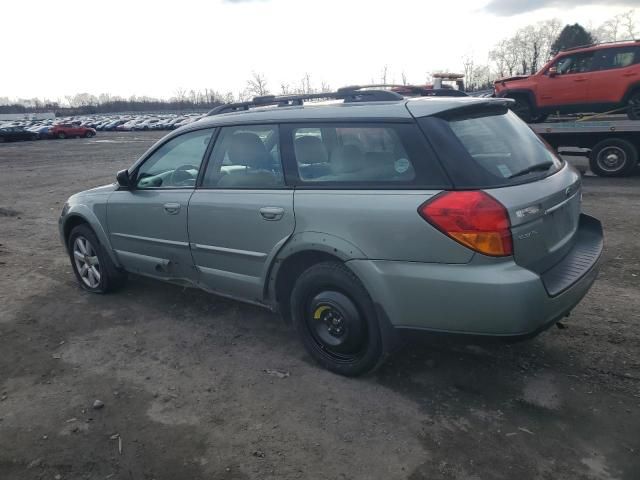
column 381, row 154
column 498, row 149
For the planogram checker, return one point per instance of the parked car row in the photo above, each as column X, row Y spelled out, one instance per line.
column 87, row 126
column 127, row 123
column 15, row 133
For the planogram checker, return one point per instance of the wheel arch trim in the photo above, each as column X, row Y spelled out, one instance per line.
column 307, row 242
column 84, row 213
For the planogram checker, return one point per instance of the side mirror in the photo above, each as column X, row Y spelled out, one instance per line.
column 123, row 179
column 553, row 71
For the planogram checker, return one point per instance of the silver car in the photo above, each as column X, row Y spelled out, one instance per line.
column 356, row 219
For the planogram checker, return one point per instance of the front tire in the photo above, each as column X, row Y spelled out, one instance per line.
column 336, row 319
column 613, row 158
column 92, row 266
column 62, row 136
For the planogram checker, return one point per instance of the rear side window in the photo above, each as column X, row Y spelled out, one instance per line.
column 491, row 149
column 363, row 155
column 612, row 58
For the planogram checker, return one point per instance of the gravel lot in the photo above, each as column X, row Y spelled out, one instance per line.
column 186, row 392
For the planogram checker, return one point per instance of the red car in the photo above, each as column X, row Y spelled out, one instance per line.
column 66, row 130
column 598, row 78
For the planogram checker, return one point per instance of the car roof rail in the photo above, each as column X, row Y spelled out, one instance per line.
column 350, row 94
column 597, row 44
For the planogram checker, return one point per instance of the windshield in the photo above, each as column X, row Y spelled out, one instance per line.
column 498, row 149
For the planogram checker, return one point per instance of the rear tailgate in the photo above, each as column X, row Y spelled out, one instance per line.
column 544, row 217
column 486, row 147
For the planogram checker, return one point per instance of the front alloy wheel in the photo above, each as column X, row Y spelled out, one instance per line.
column 87, row 262
column 91, row 264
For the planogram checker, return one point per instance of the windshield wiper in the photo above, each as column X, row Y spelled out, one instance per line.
column 538, row 167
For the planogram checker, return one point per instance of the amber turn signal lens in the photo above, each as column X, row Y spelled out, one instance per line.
column 472, row 218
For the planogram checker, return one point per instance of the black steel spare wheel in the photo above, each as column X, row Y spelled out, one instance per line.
column 336, row 325
column 336, row 319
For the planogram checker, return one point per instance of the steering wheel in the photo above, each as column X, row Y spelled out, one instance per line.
column 181, row 175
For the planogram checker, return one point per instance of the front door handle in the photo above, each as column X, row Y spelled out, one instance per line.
column 172, row 208
column 272, row 213
column 579, row 79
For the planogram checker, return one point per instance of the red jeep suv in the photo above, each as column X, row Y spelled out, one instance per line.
column 597, row 78
column 67, row 130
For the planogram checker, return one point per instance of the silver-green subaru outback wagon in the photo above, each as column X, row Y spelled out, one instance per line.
column 355, row 218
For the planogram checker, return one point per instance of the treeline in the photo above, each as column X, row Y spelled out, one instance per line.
column 111, row 105
column 526, row 51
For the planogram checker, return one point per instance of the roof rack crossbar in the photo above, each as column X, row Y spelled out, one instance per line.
column 350, row 94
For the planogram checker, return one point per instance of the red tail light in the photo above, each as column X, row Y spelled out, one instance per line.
column 472, row 218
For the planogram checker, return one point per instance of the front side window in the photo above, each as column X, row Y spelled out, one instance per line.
column 578, row 63
column 176, row 163
column 356, row 154
column 245, row 157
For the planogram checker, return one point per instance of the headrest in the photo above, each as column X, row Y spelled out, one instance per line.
column 247, row 149
column 310, row 150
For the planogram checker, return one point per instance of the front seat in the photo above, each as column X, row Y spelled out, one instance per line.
column 247, row 149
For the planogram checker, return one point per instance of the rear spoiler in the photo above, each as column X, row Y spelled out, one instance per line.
column 481, row 108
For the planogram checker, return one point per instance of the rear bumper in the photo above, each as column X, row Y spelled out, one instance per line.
column 485, row 296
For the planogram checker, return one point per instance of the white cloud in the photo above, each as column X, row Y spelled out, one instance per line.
column 511, row 7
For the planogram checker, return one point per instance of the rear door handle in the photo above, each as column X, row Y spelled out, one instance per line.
column 630, row 74
column 579, row 79
column 272, row 213
column 172, row 208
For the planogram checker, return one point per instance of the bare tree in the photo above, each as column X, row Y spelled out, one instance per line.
column 257, row 85
column 527, row 50
column 467, row 65
column 404, row 78
column 104, row 98
column 306, row 84
column 385, row 71
column 629, row 25
column 609, row 30
column 180, row 95
column 620, row 27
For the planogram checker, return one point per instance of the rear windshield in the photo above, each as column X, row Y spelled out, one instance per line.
column 491, row 149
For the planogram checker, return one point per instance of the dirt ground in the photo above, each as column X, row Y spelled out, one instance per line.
column 184, row 382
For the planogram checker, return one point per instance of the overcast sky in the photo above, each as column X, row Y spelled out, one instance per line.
column 140, row 47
